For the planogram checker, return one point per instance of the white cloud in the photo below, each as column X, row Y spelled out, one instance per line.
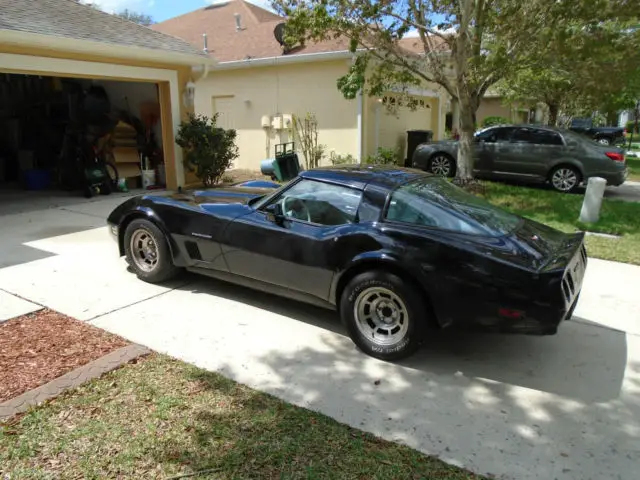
column 413, row 33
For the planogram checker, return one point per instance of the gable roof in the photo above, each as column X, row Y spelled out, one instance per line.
column 72, row 20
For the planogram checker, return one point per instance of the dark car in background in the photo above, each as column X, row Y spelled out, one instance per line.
column 602, row 135
column 529, row 153
column 397, row 252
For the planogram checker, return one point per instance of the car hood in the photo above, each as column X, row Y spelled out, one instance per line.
column 543, row 248
column 241, row 195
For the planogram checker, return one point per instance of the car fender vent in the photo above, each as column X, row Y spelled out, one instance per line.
column 193, row 250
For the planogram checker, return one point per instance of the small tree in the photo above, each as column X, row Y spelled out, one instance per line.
column 209, row 150
column 136, row 17
column 306, row 129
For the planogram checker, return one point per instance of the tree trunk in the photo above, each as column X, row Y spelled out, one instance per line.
column 553, row 114
column 464, row 170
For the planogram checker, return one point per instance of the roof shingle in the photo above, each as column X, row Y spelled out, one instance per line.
column 70, row 19
column 225, row 43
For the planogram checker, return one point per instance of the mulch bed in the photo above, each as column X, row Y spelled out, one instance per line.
column 41, row 346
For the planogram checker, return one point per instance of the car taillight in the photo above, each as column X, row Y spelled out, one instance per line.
column 616, row 157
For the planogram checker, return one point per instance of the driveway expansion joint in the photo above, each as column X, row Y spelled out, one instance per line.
column 71, row 379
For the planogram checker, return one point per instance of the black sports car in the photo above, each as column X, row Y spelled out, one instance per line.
column 396, row 251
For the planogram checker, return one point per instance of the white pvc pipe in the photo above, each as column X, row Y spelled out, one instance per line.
column 590, row 212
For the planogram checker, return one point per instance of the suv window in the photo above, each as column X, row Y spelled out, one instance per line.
column 537, row 137
column 320, row 203
column 436, row 203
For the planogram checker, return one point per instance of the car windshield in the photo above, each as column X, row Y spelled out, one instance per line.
column 436, row 203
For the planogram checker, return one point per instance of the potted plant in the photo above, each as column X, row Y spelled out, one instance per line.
column 209, row 150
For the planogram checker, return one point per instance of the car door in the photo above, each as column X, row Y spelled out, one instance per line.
column 489, row 146
column 532, row 151
column 296, row 251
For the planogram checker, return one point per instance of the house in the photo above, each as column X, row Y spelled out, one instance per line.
column 50, row 48
column 257, row 85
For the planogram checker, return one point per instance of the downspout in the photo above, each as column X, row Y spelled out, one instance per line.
column 360, row 101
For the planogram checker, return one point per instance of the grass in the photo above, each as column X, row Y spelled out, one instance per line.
column 634, row 168
column 161, row 418
column 561, row 211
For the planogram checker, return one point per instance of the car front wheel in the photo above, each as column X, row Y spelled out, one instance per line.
column 383, row 314
column 147, row 252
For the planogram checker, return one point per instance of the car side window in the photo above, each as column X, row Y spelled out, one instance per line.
column 537, row 137
column 320, row 203
column 497, row 135
column 407, row 207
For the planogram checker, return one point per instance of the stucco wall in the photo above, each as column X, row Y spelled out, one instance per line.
column 244, row 96
column 494, row 107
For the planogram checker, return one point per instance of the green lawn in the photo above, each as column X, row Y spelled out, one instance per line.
column 162, row 418
column 562, row 211
column 634, row 168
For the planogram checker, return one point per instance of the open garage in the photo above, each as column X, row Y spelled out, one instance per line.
column 82, row 106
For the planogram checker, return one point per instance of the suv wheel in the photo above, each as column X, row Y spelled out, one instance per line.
column 384, row 315
column 604, row 141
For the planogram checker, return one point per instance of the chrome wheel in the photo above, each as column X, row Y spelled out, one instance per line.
column 564, row 179
column 381, row 316
column 144, row 250
column 603, row 141
column 441, row 165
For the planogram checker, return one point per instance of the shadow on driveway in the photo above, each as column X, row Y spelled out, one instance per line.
column 584, row 362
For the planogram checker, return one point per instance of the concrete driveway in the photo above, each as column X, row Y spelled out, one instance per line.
column 560, row 407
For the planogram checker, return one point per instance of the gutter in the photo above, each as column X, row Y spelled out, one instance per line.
column 101, row 49
column 284, row 59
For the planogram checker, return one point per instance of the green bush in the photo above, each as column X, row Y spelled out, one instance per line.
column 491, row 121
column 384, row 156
column 630, row 126
column 208, row 149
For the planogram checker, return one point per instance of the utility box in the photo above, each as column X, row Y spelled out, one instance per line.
column 415, row 138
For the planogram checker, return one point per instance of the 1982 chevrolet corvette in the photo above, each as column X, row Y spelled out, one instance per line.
column 396, row 251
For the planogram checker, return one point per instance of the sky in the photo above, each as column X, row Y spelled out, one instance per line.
column 159, row 10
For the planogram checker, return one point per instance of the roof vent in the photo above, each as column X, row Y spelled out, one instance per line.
column 205, row 47
column 238, row 22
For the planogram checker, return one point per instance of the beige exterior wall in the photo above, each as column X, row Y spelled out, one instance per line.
column 245, row 96
column 494, row 107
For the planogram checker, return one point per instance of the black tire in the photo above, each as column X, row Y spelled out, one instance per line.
column 568, row 188
column 363, row 287
column 164, row 269
column 440, row 161
column 88, row 191
column 106, row 188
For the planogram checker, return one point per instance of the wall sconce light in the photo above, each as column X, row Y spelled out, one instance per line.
column 189, row 94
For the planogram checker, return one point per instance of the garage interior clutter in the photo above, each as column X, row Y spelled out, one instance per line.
column 53, row 129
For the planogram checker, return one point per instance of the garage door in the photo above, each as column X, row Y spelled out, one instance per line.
column 394, row 126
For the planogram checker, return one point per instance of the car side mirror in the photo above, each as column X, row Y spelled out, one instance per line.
column 274, row 212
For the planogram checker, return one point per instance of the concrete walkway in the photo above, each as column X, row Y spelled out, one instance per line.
column 560, row 407
column 629, row 191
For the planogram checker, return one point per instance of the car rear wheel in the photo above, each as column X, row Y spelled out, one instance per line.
column 604, row 141
column 384, row 315
column 565, row 178
column 147, row 252
column 442, row 164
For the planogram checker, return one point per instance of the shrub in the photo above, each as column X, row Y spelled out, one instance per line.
column 384, row 156
column 208, row 149
column 338, row 159
column 491, row 121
